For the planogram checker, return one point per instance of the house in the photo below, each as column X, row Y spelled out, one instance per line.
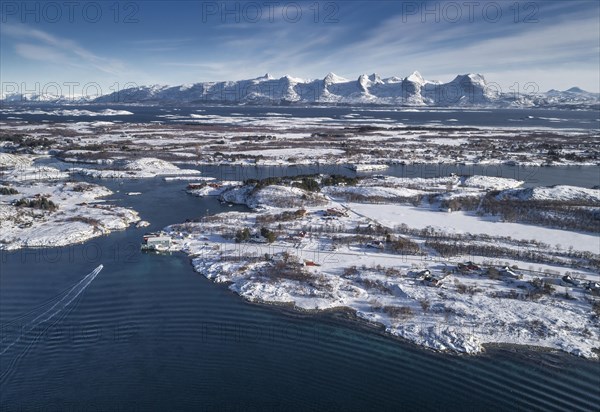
column 507, row 271
column 568, row 279
column 472, row 266
column 156, row 241
column 310, row 263
column 376, row 244
column 430, row 280
column 593, row 287
column 256, row 237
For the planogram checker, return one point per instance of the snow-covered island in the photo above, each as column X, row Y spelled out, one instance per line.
column 439, row 262
column 38, row 208
column 136, row 169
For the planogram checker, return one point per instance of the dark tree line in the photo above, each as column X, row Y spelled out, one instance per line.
column 580, row 214
column 42, row 203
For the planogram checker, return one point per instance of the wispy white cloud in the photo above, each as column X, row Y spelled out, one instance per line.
column 37, row 52
column 58, row 50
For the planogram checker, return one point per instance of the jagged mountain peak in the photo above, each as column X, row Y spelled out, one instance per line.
column 473, row 78
column 334, row 78
column 267, row 76
column 375, row 78
column 416, row 77
column 370, row 79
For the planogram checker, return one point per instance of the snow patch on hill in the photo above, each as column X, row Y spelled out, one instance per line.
column 491, row 183
column 559, row 192
column 150, row 163
column 273, row 196
column 370, row 192
column 11, row 160
column 137, row 169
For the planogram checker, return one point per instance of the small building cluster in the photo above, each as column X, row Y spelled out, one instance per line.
column 156, row 242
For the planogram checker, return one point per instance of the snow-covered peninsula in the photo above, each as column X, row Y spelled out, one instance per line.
column 392, row 252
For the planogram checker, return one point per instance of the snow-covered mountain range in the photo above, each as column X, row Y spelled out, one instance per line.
column 463, row 91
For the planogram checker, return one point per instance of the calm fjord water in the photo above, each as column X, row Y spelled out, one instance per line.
column 388, row 117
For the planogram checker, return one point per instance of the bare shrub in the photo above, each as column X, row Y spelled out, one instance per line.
column 398, row 311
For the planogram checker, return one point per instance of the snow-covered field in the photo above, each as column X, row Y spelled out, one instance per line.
column 461, row 222
column 376, row 191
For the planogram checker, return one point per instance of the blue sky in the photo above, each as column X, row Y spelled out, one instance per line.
column 553, row 44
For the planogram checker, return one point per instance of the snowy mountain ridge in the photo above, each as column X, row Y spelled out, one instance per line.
column 465, row 90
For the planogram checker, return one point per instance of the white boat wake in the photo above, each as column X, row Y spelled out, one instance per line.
column 34, row 328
